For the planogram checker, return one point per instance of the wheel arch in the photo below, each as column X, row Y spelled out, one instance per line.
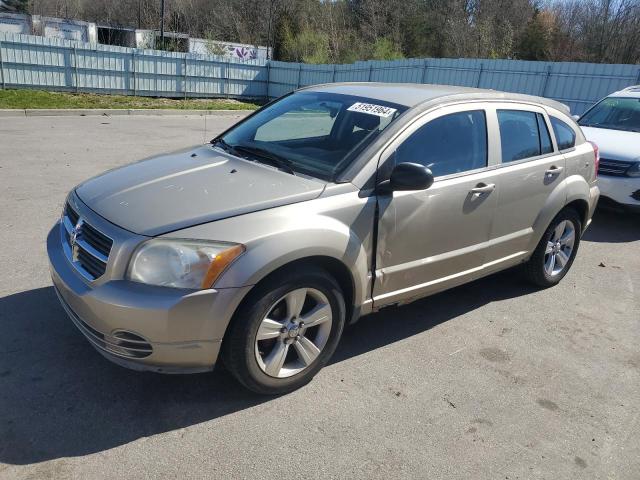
column 573, row 192
column 334, row 267
column 581, row 206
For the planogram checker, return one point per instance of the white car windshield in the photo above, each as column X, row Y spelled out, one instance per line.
column 314, row 133
column 615, row 113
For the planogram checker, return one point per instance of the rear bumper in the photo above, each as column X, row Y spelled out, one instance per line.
column 622, row 190
column 140, row 326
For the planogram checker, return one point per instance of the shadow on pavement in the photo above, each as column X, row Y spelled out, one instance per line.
column 613, row 226
column 60, row 398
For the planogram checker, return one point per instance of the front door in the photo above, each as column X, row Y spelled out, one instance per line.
column 433, row 239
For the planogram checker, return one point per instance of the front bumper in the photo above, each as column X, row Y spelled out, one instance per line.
column 141, row 326
column 622, row 190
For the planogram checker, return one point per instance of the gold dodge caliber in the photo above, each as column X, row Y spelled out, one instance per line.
column 319, row 208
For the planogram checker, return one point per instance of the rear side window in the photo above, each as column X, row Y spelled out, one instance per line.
column 565, row 136
column 522, row 135
column 449, row 144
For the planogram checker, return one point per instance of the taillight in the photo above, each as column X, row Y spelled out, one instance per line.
column 596, row 150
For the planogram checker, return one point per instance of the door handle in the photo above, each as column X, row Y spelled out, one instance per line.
column 483, row 188
column 554, row 170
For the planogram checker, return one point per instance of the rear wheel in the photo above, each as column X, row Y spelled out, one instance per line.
column 286, row 331
column 556, row 251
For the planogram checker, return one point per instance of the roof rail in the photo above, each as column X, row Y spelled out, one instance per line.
column 631, row 88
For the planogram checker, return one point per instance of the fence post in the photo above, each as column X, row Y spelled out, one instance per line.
column 133, row 71
column 1, row 67
column 225, row 86
column 268, row 78
column 370, row 70
column 425, row 65
column 637, row 79
column 333, row 74
column 546, row 81
column 184, row 66
column 75, row 67
column 299, row 75
column 479, row 75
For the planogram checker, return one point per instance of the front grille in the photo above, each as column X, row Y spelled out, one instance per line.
column 614, row 168
column 121, row 343
column 86, row 247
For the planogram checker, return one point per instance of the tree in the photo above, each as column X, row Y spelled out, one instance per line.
column 17, row 6
column 535, row 43
column 343, row 31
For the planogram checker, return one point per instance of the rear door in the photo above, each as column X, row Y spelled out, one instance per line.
column 530, row 170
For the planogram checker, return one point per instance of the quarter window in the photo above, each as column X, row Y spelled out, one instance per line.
column 565, row 136
column 522, row 135
column 449, row 144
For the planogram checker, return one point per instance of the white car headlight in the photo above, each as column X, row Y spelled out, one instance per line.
column 182, row 263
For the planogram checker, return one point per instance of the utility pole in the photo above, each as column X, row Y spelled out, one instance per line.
column 162, row 24
column 269, row 30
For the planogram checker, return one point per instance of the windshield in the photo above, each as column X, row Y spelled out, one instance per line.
column 616, row 113
column 314, row 133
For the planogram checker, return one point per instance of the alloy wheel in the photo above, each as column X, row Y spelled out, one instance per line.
column 559, row 248
column 293, row 333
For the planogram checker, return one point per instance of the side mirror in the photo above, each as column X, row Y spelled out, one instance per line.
column 408, row 176
column 575, row 117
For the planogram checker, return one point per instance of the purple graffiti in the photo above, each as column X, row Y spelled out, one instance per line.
column 245, row 53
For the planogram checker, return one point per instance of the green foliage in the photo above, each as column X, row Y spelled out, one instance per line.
column 385, row 49
column 307, row 46
column 213, row 47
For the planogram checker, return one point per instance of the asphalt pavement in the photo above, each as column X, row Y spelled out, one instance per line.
column 491, row 380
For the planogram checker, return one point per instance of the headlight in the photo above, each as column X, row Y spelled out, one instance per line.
column 182, row 263
column 634, row 171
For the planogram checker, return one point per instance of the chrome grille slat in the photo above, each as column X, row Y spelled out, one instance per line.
column 92, row 251
column 614, row 168
column 89, row 254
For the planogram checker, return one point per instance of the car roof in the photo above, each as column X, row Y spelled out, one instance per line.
column 413, row 94
column 629, row 92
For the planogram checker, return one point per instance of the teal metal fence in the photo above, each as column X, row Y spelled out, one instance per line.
column 45, row 63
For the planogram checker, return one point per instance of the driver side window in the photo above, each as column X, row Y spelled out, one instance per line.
column 449, row 144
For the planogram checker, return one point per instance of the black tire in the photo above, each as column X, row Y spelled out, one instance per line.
column 534, row 268
column 238, row 349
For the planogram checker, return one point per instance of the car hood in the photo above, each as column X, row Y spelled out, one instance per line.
column 614, row 144
column 186, row 188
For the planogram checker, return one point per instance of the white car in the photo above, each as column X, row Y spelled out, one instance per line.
column 613, row 124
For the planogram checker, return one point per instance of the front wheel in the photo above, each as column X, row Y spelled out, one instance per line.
column 286, row 331
column 554, row 255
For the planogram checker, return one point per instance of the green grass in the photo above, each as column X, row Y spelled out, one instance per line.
column 24, row 99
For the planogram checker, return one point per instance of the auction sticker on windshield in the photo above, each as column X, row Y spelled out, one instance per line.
column 371, row 109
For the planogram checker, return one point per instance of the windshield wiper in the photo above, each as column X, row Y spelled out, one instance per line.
column 276, row 160
column 225, row 146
